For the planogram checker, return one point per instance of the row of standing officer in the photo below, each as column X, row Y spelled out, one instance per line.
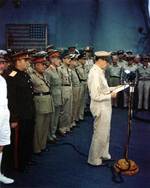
column 116, row 74
column 68, row 83
column 43, row 99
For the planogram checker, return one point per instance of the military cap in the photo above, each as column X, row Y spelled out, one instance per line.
column 50, row 48
column 73, row 50
column 39, row 59
column 82, row 55
column 40, row 54
column 88, row 49
column 119, row 52
column 3, row 52
column 2, row 60
column 54, row 54
column 102, row 54
column 130, row 57
column 113, row 53
column 21, row 54
column 32, row 51
column 129, row 52
column 65, row 54
column 73, row 56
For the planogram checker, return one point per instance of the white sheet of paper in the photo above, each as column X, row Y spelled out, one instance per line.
column 120, row 88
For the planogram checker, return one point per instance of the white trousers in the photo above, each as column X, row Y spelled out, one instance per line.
column 4, row 126
column 100, row 141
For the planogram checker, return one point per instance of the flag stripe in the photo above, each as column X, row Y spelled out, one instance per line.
column 26, row 35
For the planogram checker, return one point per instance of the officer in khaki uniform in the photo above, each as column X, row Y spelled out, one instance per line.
column 132, row 68
column 82, row 74
column 89, row 58
column 121, row 60
column 43, row 104
column 75, row 89
column 66, row 112
column 54, row 79
column 89, row 54
column 114, row 75
column 143, row 85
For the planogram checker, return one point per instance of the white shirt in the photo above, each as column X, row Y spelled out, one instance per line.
column 99, row 91
column 3, row 93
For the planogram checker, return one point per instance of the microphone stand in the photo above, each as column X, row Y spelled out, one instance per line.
column 125, row 165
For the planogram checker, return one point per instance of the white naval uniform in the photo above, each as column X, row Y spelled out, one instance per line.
column 101, row 110
column 4, row 114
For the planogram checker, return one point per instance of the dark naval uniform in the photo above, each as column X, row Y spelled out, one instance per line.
column 21, row 106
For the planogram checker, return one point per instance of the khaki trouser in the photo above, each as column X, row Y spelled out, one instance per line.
column 42, row 122
column 143, row 89
column 66, row 112
column 83, row 90
column 54, row 123
column 75, row 103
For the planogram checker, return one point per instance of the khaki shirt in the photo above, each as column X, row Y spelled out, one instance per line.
column 143, row 73
column 54, row 79
column 40, row 83
column 75, row 78
column 65, row 74
column 43, row 103
column 82, row 73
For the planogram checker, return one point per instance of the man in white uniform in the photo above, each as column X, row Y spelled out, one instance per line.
column 4, row 121
column 101, row 109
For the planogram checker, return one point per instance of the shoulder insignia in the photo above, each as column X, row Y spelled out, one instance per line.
column 13, row 73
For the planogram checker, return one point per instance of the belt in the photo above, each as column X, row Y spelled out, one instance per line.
column 115, row 77
column 144, row 79
column 82, row 80
column 66, row 85
column 42, row 93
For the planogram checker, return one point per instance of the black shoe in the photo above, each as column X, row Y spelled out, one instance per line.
column 56, row 139
column 38, row 154
column 51, row 141
column 45, row 150
column 61, row 134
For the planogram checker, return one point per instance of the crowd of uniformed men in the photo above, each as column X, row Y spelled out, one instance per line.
column 48, row 94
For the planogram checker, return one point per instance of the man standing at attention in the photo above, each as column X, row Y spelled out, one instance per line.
column 101, row 109
column 4, row 121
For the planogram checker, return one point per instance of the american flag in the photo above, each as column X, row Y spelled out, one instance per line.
column 26, row 36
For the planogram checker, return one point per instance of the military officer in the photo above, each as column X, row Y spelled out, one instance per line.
column 121, row 60
column 75, row 89
column 101, row 109
column 137, row 61
column 89, row 58
column 82, row 75
column 131, row 68
column 21, row 106
column 114, row 75
column 43, row 103
column 143, row 85
column 4, row 121
column 55, row 81
column 66, row 112
column 88, row 65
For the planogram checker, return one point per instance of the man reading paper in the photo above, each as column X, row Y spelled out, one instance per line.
column 101, row 109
